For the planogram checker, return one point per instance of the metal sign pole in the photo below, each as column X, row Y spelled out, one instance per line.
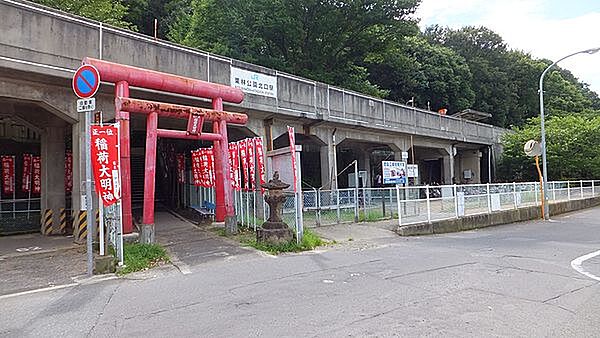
column 88, row 192
column 119, row 247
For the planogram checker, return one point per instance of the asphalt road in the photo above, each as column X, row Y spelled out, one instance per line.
column 513, row 280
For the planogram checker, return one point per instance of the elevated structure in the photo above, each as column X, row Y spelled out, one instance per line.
column 40, row 49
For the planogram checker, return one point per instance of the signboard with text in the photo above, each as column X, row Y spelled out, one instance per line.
column 394, row 172
column 412, row 170
column 105, row 162
column 253, row 82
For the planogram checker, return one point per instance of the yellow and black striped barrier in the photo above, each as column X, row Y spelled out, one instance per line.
column 62, row 222
column 47, row 222
column 97, row 238
column 80, row 228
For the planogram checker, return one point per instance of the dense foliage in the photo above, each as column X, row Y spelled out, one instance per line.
column 573, row 151
column 376, row 47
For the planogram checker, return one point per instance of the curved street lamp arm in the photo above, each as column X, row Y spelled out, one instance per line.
column 587, row 51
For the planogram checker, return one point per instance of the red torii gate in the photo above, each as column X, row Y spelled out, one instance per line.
column 123, row 76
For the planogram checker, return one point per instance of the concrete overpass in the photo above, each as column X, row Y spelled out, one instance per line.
column 40, row 48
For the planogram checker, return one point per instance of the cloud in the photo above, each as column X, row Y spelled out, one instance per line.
column 526, row 25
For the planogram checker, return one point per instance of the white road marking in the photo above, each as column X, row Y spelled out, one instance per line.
column 57, row 287
column 576, row 264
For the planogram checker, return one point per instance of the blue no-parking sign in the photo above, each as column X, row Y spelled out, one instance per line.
column 86, row 81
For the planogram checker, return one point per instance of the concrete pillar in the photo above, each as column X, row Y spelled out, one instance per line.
column 364, row 164
column 328, row 164
column 470, row 160
column 448, row 165
column 78, row 166
column 53, row 171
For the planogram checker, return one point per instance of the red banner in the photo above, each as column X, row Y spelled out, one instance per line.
column 36, row 164
column 234, row 163
column 292, row 137
column 68, row 171
column 180, row 168
column 105, row 162
column 211, row 167
column 244, row 158
column 251, row 162
column 260, row 162
column 196, row 168
column 8, row 174
column 26, row 177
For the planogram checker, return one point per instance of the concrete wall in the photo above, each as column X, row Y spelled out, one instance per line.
column 46, row 37
column 495, row 218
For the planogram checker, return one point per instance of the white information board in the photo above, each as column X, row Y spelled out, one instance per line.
column 253, row 82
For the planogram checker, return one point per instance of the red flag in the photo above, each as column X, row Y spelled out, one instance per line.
column 105, row 162
column 196, row 172
column 36, row 164
column 68, row 171
column 235, row 155
column 251, row 164
column 211, row 167
column 293, row 153
column 26, row 178
column 8, row 174
column 260, row 162
column 244, row 158
column 180, row 168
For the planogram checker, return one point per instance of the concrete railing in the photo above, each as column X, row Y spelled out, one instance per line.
column 27, row 42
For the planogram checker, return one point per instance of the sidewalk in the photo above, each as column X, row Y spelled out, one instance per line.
column 193, row 245
column 34, row 261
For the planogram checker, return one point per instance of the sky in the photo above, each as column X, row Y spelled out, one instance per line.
column 549, row 29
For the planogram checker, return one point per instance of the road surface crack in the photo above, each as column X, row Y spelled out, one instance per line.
column 231, row 290
column 431, row 270
column 569, row 292
column 102, row 311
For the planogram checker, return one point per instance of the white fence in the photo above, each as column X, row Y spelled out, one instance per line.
column 410, row 205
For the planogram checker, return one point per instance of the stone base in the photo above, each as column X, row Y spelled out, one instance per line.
column 147, row 234
column 274, row 233
column 231, row 226
column 104, row 264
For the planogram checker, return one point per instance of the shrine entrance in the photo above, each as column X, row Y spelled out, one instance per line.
column 216, row 120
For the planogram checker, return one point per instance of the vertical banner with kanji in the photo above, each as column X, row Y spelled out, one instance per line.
column 204, row 168
column 68, row 171
column 8, row 174
column 180, row 168
column 292, row 137
column 36, row 164
column 105, row 162
column 251, row 162
column 196, row 168
column 260, row 162
column 211, row 167
column 234, row 161
column 26, row 178
column 244, row 159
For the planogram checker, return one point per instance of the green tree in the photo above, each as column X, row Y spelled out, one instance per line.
column 572, row 150
column 325, row 40
column 430, row 73
column 143, row 12
column 112, row 12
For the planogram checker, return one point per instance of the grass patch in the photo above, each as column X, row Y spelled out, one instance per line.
column 139, row 257
column 247, row 237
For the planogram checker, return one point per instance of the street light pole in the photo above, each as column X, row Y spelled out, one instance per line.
column 541, row 90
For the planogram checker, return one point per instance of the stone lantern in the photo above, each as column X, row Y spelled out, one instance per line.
column 274, row 231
